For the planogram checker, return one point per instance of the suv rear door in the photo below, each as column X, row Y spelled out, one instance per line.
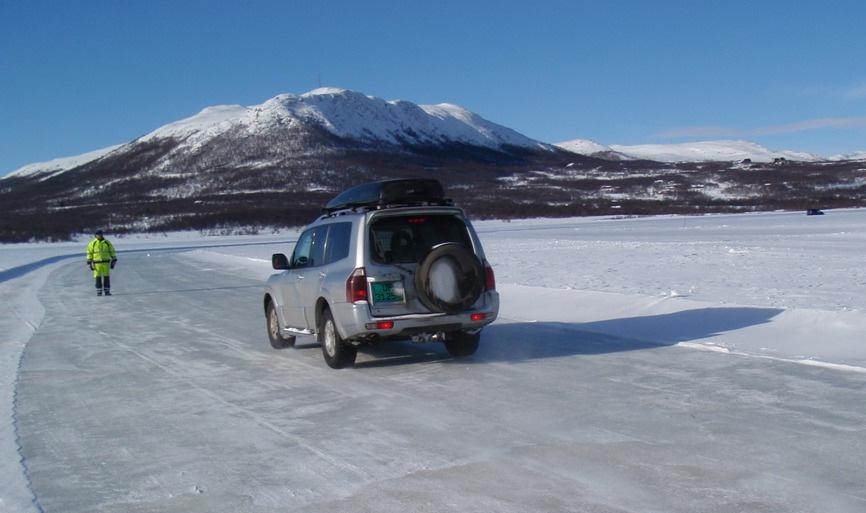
column 396, row 245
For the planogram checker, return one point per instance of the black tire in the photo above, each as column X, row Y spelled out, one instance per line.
column 273, row 324
column 337, row 352
column 464, row 276
column 462, row 344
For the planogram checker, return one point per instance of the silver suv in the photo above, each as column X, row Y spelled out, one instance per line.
column 392, row 260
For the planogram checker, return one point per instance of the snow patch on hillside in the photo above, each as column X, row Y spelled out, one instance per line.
column 56, row 166
column 211, row 121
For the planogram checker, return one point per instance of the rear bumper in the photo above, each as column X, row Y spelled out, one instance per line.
column 352, row 320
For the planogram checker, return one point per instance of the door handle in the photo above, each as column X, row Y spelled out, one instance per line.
column 323, row 274
column 300, row 276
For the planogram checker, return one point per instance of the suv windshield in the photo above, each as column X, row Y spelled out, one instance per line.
column 406, row 239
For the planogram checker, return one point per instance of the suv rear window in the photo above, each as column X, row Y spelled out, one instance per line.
column 406, row 239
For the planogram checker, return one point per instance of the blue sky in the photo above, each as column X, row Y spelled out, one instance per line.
column 80, row 75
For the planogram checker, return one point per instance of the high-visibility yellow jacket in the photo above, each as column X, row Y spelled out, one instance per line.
column 100, row 253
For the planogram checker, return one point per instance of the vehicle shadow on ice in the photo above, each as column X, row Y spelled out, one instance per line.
column 517, row 341
column 521, row 341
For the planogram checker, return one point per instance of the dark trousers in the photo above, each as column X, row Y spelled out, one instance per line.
column 103, row 282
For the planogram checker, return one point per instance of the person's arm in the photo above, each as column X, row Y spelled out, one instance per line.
column 89, row 256
column 113, row 254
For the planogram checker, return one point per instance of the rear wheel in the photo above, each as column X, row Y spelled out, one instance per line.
column 337, row 352
column 462, row 343
column 277, row 340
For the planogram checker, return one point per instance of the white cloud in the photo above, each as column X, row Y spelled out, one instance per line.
column 856, row 92
column 812, row 124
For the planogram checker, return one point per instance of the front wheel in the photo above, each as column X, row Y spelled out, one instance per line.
column 462, row 343
column 337, row 352
column 278, row 341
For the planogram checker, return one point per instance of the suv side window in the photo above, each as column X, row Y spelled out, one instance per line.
column 339, row 237
column 310, row 247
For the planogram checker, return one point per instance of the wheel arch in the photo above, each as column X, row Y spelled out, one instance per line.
column 321, row 306
column 267, row 302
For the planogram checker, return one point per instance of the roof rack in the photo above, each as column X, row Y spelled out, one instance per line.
column 390, row 194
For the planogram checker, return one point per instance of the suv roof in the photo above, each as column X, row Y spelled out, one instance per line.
column 390, row 194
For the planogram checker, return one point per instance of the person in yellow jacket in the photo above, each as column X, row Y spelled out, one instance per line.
column 101, row 258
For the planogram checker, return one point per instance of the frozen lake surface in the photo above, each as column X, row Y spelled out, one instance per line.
column 711, row 363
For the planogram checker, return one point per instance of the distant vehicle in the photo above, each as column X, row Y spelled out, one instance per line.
column 814, row 212
column 391, row 260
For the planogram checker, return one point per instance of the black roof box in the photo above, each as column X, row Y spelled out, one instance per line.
column 389, row 193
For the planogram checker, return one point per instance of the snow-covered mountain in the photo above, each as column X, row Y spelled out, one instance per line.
column 703, row 151
column 591, row 148
column 50, row 168
column 345, row 114
column 857, row 155
column 352, row 115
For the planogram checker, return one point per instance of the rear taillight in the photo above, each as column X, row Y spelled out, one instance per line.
column 489, row 277
column 356, row 286
column 380, row 325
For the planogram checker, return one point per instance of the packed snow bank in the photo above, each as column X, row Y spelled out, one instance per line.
column 772, row 259
column 22, row 314
column 773, row 285
column 815, row 337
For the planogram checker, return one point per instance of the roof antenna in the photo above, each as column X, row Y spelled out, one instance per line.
column 320, row 80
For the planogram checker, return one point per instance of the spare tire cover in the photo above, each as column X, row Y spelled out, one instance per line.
column 449, row 279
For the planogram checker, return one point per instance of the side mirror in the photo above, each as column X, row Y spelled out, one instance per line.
column 279, row 261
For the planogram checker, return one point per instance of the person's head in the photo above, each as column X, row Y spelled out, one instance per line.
column 98, row 234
